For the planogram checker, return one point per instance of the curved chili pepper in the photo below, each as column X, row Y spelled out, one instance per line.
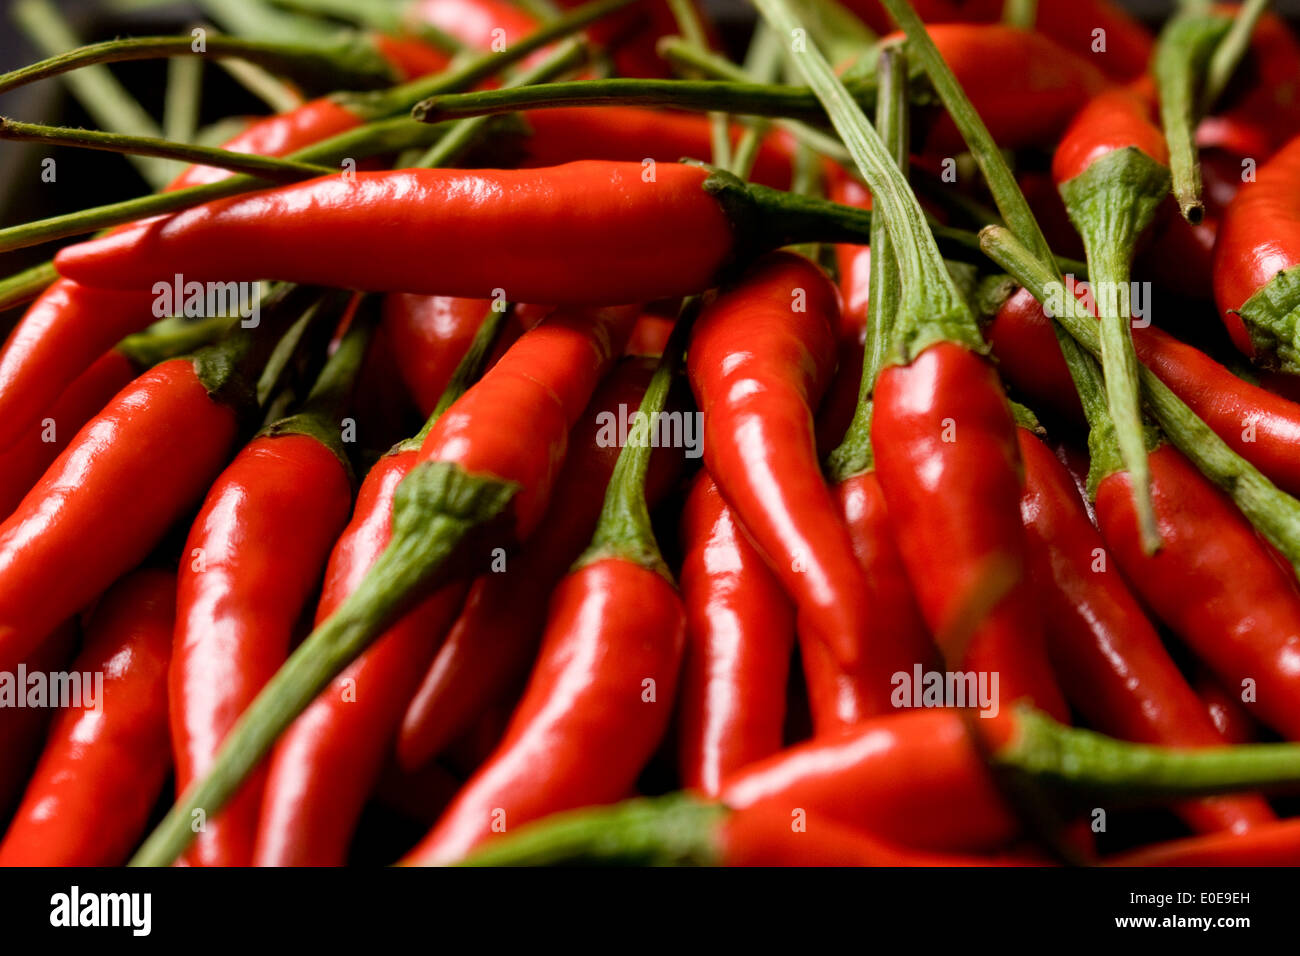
column 1273, row 844
column 1258, row 425
column 253, row 557
column 70, row 325
column 601, row 693
column 28, row 458
column 109, row 498
column 1112, row 665
column 493, row 642
column 23, row 729
column 1213, row 583
column 104, row 766
column 472, row 474
column 650, row 335
column 739, row 635
column 587, row 232
column 760, row 354
column 948, row 464
column 1255, row 280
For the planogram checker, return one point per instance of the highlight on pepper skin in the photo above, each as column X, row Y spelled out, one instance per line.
column 500, row 433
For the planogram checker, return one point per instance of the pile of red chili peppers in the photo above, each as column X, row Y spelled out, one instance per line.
column 897, row 478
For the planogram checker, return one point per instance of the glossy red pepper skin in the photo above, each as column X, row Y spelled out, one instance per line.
column 588, row 721
column 27, row 458
column 766, row 835
column 840, row 699
column 1258, row 238
column 538, row 388
column 1110, row 660
column 586, row 233
column 1275, row 844
column 108, row 499
column 325, row 765
column 1025, row 86
column 1227, row 712
column 1213, row 583
column 739, row 636
column 253, row 557
column 430, row 334
column 476, row 23
column 23, row 729
column 103, row 768
column 631, row 134
column 1071, row 25
column 493, row 642
column 69, row 326
column 949, row 466
column 1257, row 424
column 1114, row 119
column 760, row 355
column 913, row 778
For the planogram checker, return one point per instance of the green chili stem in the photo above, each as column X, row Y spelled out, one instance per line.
column 263, row 167
column 277, row 94
column 1002, row 182
column 679, row 53
column 623, row 530
column 1228, row 54
column 931, row 308
column 688, row 22
column 316, row 68
column 96, row 89
column 172, row 336
column 26, row 285
column 678, row 829
column 254, row 18
column 181, row 101
column 1020, row 13
column 762, row 64
column 1275, row 514
column 839, row 31
column 401, row 98
column 1084, row 761
column 380, row 137
column 435, row 508
column 1182, row 53
column 466, row 132
column 744, row 98
column 853, row 455
column 382, row 17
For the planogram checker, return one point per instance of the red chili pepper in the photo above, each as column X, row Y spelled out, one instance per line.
column 28, row 458
column 1258, row 425
column 650, row 335
column 1112, row 665
column 1126, row 42
column 583, row 233
column 1254, row 262
column 949, row 466
column 494, row 641
column 760, row 355
column 1214, row 583
column 1263, row 98
column 739, row 635
column 601, row 693
column 408, row 56
column 22, row 729
column 109, row 498
column 479, row 24
column 629, row 134
column 69, row 326
column 1274, row 844
column 104, row 765
column 1025, row 86
column 1227, row 712
column 254, row 556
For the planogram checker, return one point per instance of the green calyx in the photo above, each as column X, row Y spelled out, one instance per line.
column 673, row 830
column 170, row 337
column 1111, row 203
column 624, row 531
column 435, row 509
column 1272, row 317
column 1182, row 54
column 1084, row 763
